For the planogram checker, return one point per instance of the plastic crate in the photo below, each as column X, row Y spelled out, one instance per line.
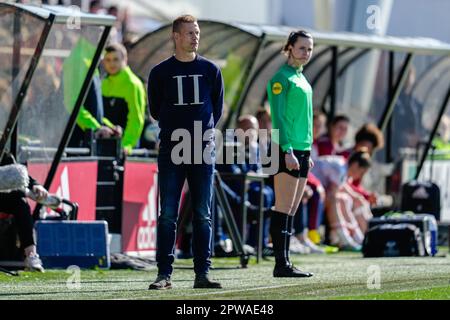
column 61, row 244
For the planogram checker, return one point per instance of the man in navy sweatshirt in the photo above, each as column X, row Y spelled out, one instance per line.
column 185, row 95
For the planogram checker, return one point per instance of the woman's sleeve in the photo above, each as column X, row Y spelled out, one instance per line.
column 278, row 91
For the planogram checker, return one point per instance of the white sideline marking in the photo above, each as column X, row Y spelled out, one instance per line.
column 230, row 291
column 247, row 289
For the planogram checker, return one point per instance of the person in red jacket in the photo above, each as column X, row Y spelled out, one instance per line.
column 332, row 142
column 370, row 138
column 352, row 213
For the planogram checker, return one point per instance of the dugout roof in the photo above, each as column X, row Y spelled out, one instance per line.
column 363, row 76
column 49, row 55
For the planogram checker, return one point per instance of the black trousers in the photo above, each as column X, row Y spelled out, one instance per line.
column 15, row 203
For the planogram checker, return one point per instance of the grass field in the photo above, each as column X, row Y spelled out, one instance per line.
column 337, row 276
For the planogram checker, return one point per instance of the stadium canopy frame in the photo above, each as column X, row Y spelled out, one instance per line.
column 53, row 52
column 336, row 53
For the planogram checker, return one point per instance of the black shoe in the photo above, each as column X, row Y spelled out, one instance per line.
column 202, row 281
column 290, row 271
column 162, row 282
column 219, row 252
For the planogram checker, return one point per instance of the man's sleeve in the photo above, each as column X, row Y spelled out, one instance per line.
column 86, row 120
column 217, row 97
column 278, row 88
column 135, row 118
column 154, row 97
column 93, row 103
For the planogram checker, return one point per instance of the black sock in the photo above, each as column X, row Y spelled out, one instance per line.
column 278, row 232
column 290, row 229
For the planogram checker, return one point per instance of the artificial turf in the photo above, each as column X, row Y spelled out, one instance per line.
column 337, row 276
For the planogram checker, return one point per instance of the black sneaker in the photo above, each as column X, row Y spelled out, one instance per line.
column 162, row 282
column 202, row 282
column 290, row 272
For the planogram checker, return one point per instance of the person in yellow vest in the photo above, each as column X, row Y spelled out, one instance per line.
column 124, row 97
column 290, row 98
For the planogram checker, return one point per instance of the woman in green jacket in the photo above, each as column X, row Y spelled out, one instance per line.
column 290, row 98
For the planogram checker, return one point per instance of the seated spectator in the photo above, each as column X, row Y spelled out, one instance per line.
column 332, row 142
column 264, row 123
column 319, row 127
column 120, row 25
column 96, row 7
column 16, row 204
column 330, row 166
column 249, row 125
column 369, row 138
column 349, row 220
column 332, row 170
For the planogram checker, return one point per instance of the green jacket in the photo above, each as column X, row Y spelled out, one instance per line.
column 124, row 103
column 75, row 69
column 290, row 98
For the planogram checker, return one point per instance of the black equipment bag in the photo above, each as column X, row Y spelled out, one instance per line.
column 393, row 240
column 422, row 221
column 421, row 197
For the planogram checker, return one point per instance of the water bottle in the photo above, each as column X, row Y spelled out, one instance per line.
column 51, row 201
column 434, row 235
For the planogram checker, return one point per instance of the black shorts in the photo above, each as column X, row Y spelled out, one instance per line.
column 303, row 160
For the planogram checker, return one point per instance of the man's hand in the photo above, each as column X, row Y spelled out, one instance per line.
column 291, row 162
column 104, row 132
column 117, row 131
column 40, row 192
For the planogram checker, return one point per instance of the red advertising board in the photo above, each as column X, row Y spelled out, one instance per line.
column 140, row 207
column 75, row 181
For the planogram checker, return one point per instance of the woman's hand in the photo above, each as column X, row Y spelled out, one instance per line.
column 373, row 198
column 291, row 162
column 40, row 192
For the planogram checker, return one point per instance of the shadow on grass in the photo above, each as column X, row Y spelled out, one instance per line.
column 77, row 292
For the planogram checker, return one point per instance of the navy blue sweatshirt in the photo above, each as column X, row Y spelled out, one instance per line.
column 180, row 93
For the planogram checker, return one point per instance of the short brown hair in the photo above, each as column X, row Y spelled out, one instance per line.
column 117, row 47
column 187, row 18
column 370, row 132
column 339, row 118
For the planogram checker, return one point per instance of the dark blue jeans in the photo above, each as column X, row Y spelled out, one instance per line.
column 171, row 180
